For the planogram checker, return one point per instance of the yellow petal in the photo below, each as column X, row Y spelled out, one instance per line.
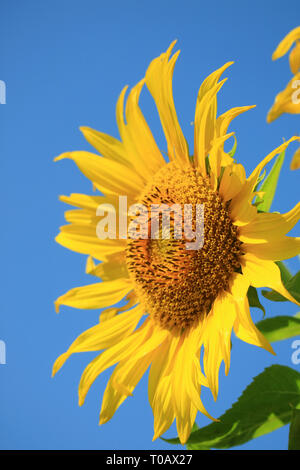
column 185, row 410
column 216, row 340
column 161, row 360
column 244, row 327
column 111, row 269
column 83, row 239
column 84, row 201
column 269, row 226
column 163, row 409
column 286, row 43
column 106, row 145
column 138, row 139
column 121, row 385
column 295, row 163
column 109, row 313
column 295, row 58
column 97, row 295
column 226, row 118
column 80, row 216
column 108, row 176
column 159, row 82
column 216, row 155
column 264, row 273
column 287, row 101
column 138, row 142
column 160, row 385
column 143, row 341
column 205, row 114
column 205, row 125
column 187, row 379
column 232, row 181
column 103, row 335
column 241, row 209
column 277, row 250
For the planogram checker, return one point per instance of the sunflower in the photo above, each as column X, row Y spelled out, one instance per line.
column 179, row 303
column 288, row 100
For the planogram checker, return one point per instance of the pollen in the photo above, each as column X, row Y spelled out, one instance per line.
column 178, row 285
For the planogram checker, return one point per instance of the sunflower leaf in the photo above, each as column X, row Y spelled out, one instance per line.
column 292, row 285
column 294, row 434
column 254, row 299
column 286, row 274
column 269, row 185
column 265, row 405
column 280, row 328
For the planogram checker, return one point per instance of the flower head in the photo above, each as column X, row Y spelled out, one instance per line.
column 288, row 100
column 293, row 37
column 179, row 301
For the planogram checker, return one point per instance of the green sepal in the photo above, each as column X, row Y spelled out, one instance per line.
column 270, row 184
column 294, row 434
column 253, row 299
column 280, row 327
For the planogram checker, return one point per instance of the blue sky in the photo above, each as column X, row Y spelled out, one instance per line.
column 64, row 64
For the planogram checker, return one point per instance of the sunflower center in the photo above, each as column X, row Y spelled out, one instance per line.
column 178, row 285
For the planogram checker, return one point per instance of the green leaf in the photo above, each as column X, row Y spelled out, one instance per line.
column 294, row 434
column 269, row 185
column 254, row 299
column 265, row 405
column 279, row 328
column 286, row 274
column 292, row 285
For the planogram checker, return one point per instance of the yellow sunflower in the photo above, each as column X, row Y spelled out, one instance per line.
column 293, row 37
column 288, row 100
column 180, row 302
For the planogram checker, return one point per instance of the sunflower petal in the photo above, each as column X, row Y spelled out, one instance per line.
column 107, row 175
column 286, row 43
column 106, row 145
column 83, row 239
column 244, row 327
column 217, row 341
column 205, row 126
column 264, row 273
column 241, row 210
column 94, row 296
column 159, row 82
column 121, row 385
column 295, row 58
column 269, row 226
column 111, row 269
column 103, row 335
column 225, row 119
column 139, row 144
column 295, row 163
column 287, row 101
column 134, row 347
column 277, row 250
column 185, row 410
column 163, row 409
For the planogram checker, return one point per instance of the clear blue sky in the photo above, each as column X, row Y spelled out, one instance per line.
column 64, row 63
